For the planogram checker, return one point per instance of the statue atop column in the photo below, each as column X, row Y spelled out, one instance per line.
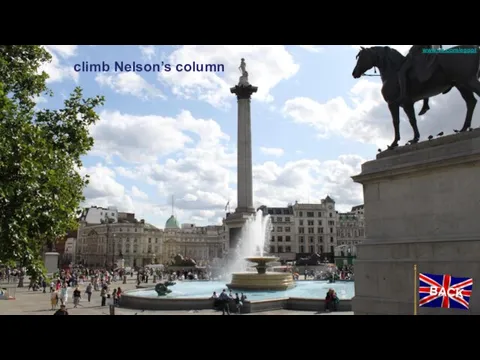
column 243, row 81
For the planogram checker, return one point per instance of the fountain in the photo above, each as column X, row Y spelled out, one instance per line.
column 263, row 280
column 254, row 239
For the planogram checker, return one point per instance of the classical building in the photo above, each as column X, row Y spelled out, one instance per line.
column 350, row 231
column 122, row 236
column 135, row 241
column 201, row 243
column 302, row 229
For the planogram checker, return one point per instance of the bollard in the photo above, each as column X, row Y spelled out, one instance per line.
column 154, row 279
column 124, row 279
column 112, row 310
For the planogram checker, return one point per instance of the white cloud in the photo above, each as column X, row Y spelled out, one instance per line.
column 312, row 48
column 136, row 192
column 195, row 161
column 272, row 151
column 65, row 51
column 267, row 66
column 57, row 69
column 148, row 51
column 130, row 83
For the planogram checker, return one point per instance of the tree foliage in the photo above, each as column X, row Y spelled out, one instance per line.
column 40, row 154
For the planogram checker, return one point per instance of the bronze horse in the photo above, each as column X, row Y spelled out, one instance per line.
column 460, row 70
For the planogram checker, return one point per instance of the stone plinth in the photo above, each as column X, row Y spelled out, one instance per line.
column 234, row 223
column 422, row 206
column 51, row 262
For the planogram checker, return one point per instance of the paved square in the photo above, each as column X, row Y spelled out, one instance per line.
column 37, row 303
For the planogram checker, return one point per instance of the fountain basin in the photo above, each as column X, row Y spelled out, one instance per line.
column 190, row 295
column 262, row 282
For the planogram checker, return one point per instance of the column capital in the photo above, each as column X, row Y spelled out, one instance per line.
column 243, row 91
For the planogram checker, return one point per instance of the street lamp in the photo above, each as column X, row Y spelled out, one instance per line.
column 113, row 252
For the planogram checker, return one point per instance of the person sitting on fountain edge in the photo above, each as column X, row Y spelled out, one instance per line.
column 331, row 301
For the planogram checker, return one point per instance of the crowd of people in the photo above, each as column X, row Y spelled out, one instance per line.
column 222, row 301
column 98, row 280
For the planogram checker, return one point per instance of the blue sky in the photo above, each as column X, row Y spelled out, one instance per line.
column 164, row 134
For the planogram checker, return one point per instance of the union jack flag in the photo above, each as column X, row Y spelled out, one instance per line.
column 444, row 291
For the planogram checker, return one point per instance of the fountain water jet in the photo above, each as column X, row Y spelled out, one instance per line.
column 255, row 235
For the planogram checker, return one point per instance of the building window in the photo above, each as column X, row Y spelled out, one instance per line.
column 287, row 229
column 279, row 238
column 279, row 219
column 280, row 249
column 302, row 240
column 301, row 230
column 312, row 249
column 310, row 239
column 310, row 223
column 319, row 215
column 311, row 230
column 287, row 238
column 288, row 249
column 279, row 229
column 300, row 222
column 287, row 219
column 302, row 249
column 272, row 249
column 310, row 214
column 331, row 239
column 300, row 214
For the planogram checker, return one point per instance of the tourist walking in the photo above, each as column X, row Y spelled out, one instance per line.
column 88, row 291
column 103, row 295
column 64, row 294
column 54, row 299
column 77, row 295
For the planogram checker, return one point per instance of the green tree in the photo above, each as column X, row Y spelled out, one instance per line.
column 40, row 154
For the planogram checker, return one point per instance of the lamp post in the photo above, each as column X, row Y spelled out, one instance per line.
column 113, row 252
column 107, row 222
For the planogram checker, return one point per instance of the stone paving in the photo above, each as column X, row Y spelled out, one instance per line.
column 38, row 303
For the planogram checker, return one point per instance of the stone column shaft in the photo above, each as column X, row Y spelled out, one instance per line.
column 244, row 149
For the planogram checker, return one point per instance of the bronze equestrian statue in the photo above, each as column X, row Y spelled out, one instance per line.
column 407, row 65
column 436, row 74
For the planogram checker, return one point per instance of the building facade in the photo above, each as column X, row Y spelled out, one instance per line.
column 302, row 229
column 96, row 215
column 202, row 243
column 106, row 241
column 136, row 242
column 350, row 231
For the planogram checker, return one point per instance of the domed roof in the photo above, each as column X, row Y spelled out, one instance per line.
column 172, row 223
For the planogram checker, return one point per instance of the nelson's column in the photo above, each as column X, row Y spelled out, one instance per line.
column 245, row 209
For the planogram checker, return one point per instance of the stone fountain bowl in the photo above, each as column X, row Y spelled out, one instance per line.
column 262, row 259
column 262, row 281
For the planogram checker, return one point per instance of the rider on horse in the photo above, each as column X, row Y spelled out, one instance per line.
column 414, row 52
